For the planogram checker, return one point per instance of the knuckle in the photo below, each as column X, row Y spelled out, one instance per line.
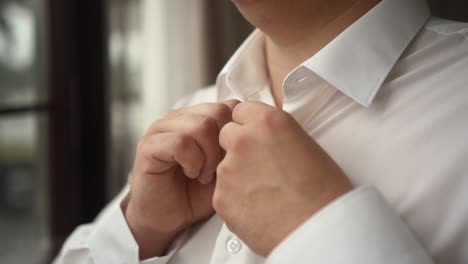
column 142, row 145
column 218, row 202
column 221, row 111
column 241, row 143
column 182, row 142
column 222, row 169
column 206, row 125
column 274, row 118
column 156, row 125
column 144, row 152
column 172, row 113
column 151, row 127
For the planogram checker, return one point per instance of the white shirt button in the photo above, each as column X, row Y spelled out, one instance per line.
column 233, row 245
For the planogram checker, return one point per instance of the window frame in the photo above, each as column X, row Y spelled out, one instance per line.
column 78, row 114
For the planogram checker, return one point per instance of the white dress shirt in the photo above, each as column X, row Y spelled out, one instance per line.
column 388, row 100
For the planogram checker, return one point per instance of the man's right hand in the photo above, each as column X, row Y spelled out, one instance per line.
column 173, row 175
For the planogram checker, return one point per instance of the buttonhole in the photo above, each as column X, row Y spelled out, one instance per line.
column 302, row 79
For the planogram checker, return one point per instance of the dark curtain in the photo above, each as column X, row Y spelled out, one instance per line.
column 226, row 30
column 450, row 9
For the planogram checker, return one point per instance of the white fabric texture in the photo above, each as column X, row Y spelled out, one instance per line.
column 388, row 100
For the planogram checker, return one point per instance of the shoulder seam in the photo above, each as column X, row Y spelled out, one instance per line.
column 463, row 33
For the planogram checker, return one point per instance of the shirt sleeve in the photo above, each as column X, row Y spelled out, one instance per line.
column 107, row 240
column 359, row 227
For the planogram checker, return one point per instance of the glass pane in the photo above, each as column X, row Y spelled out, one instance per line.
column 17, row 53
column 22, row 155
column 125, row 39
column 22, row 224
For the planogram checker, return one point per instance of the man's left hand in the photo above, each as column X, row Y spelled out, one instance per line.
column 273, row 178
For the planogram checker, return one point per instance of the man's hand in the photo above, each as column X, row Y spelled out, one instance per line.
column 173, row 175
column 273, row 177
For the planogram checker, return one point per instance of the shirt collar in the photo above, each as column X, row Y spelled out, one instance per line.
column 356, row 62
column 246, row 72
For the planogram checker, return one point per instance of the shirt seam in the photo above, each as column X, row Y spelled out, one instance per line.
column 456, row 32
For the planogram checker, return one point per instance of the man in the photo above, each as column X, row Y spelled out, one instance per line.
column 336, row 134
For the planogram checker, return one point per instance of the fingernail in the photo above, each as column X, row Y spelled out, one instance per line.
column 190, row 173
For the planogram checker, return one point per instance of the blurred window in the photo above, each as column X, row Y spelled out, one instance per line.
column 22, row 139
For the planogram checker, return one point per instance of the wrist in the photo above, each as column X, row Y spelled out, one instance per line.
column 151, row 242
column 308, row 208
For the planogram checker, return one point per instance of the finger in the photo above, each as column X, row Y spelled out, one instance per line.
column 165, row 149
column 205, row 133
column 220, row 112
column 231, row 103
column 247, row 112
column 227, row 133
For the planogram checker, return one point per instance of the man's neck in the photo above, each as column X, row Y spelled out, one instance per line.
column 286, row 51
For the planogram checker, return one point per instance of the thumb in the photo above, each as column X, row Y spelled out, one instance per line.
column 231, row 103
